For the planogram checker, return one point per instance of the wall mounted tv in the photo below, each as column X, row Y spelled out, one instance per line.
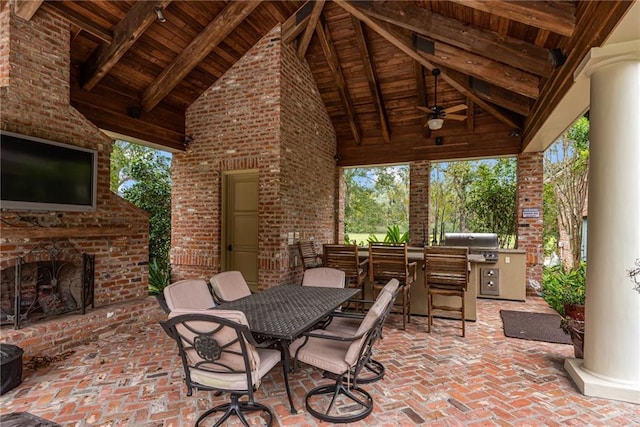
column 41, row 175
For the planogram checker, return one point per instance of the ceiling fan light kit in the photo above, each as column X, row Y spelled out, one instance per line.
column 435, row 123
column 437, row 113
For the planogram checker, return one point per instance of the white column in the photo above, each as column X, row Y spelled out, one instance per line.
column 611, row 365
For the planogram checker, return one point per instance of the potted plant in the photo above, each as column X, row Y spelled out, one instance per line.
column 564, row 291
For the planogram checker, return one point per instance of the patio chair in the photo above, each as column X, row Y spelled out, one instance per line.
column 188, row 294
column 219, row 354
column 229, row 286
column 348, row 324
column 308, row 254
column 391, row 261
column 324, row 276
column 343, row 356
column 446, row 275
column 345, row 258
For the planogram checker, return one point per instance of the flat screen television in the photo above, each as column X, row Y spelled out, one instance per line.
column 41, row 175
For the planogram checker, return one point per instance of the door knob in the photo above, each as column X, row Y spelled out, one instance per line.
column 229, row 248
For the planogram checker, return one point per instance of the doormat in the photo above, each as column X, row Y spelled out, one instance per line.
column 25, row 419
column 533, row 326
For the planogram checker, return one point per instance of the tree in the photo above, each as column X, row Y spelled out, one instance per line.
column 142, row 176
column 492, row 200
column 376, row 198
column 566, row 169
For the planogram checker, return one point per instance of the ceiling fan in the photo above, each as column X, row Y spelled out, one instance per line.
column 437, row 114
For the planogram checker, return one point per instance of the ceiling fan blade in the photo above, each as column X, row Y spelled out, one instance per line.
column 455, row 117
column 456, row 108
column 425, row 109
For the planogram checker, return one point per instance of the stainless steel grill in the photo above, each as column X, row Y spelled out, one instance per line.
column 484, row 244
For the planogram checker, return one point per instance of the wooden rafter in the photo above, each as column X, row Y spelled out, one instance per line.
column 478, row 66
column 334, row 64
column 470, row 116
column 25, row 9
column 557, row 17
column 421, row 89
column 599, row 18
column 223, row 24
column 58, row 9
column 125, row 33
column 297, row 22
column 404, row 44
column 303, row 44
column 372, row 77
column 508, row 50
column 509, row 100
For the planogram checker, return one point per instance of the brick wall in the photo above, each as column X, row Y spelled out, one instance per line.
column 419, row 180
column 263, row 114
column 530, row 187
column 35, row 101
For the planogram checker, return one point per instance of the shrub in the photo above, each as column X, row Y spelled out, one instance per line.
column 560, row 287
column 159, row 276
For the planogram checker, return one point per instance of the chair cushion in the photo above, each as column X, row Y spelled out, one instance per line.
column 236, row 362
column 188, row 294
column 323, row 276
column 230, row 285
column 324, row 354
column 268, row 359
column 374, row 313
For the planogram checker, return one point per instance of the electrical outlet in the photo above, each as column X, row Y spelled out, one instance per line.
column 507, row 260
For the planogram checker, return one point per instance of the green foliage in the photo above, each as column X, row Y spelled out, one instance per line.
column 159, row 276
column 478, row 196
column 376, row 197
column 560, row 287
column 142, row 176
column 394, row 235
column 492, row 200
column 566, row 169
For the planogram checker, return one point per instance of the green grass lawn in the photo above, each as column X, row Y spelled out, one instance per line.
column 362, row 238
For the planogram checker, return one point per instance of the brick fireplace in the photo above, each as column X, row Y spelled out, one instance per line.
column 35, row 82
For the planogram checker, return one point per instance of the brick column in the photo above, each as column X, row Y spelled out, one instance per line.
column 530, row 215
column 419, row 179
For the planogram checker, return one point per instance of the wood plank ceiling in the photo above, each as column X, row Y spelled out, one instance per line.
column 135, row 70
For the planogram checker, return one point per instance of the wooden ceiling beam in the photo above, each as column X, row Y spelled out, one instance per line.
column 303, row 44
column 25, row 9
column 222, row 25
column 334, row 64
column 598, row 20
column 57, row 8
column 404, row 44
column 141, row 15
column 502, row 97
column 555, row 16
column 410, row 148
column 502, row 75
column 372, row 77
column 421, row 89
column 508, row 50
column 297, row 22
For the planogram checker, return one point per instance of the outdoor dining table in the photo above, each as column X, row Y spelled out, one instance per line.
column 285, row 312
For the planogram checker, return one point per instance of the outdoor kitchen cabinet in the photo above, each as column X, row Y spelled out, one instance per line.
column 511, row 266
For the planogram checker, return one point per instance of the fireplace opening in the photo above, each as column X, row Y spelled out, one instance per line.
column 53, row 278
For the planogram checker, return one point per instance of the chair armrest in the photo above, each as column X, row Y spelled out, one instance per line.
column 413, row 270
column 364, row 263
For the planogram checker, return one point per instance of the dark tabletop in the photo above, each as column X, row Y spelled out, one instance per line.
column 285, row 312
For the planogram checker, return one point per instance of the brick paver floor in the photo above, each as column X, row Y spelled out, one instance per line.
column 437, row 379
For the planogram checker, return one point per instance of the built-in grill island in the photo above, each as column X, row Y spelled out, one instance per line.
column 483, row 247
column 495, row 272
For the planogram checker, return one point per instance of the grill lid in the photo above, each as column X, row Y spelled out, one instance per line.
column 471, row 240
